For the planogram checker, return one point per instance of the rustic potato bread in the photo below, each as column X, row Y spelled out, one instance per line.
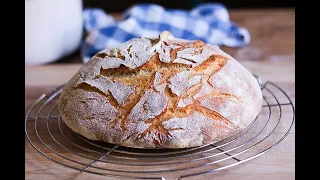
column 164, row 92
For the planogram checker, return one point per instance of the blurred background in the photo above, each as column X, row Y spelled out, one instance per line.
column 121, row 5
column 55, row 29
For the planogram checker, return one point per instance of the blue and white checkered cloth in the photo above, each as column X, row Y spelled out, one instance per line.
column 208, row 22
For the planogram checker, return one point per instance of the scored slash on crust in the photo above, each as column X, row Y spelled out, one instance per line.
column 210, row 66
column 143, row 78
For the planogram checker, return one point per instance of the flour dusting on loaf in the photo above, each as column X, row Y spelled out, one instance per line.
column 163, row 92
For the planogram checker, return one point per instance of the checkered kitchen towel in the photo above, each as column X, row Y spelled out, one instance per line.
column 207, row 22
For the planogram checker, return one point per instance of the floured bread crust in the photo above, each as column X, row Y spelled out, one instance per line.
column 165, row 92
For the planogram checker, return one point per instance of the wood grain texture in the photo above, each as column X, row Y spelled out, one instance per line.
column 270, row 55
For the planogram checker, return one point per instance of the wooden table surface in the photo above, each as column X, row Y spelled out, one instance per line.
column 270, row 55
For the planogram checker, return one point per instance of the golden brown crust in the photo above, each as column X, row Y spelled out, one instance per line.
column 163, row 92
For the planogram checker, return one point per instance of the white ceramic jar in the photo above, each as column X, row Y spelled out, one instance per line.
column 53, row 29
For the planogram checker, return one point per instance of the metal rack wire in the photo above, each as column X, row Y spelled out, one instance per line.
column 48, row 134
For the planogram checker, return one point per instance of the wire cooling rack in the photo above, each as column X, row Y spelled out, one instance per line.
column 48, row 134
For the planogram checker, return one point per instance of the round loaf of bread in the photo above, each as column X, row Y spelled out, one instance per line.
column 164, row 92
